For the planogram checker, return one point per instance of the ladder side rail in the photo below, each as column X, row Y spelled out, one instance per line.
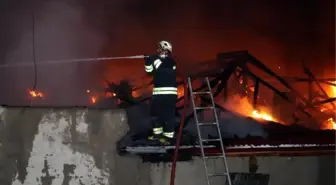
column 198, row 129
column 219, row 133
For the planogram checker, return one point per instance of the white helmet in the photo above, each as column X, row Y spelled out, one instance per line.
column 165, row 46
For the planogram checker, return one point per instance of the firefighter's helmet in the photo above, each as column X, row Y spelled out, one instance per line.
column 165, row 46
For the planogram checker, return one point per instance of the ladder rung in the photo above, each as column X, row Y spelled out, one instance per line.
column 198, row 108
column 210, row 140
column 202, row 92
column 207, row 124
column 214, row 157
column 217, row 174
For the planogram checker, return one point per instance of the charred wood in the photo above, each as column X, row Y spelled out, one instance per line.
column 255, row 94
column 310, row 74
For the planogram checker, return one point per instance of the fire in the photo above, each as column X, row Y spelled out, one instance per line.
column 333, row 90
column 93, row 99
column 135, row 94
column 35, row 94
column 262, row 115
column 94, row 96
column 109, row 94
column 244, row 107
column 330, row 124
column 180, row 91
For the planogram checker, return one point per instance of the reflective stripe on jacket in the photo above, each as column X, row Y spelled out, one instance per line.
column 164, row 90
column 149, row 68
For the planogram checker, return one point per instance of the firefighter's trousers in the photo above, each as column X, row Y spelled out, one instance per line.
column 163, row 114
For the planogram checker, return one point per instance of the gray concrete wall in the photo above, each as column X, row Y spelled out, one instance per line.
column 282, row 170
column 62, row 147
column 77, row 147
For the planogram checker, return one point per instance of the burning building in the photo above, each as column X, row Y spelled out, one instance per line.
column 78, row 124
column 257, row 115
column 282, row 124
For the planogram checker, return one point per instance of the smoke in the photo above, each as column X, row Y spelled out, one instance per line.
column 61, row 32
column 279, row 33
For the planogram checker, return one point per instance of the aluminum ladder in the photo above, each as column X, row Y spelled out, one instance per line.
column 203, row 140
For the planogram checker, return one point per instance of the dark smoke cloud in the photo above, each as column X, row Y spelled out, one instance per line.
column 61, row 32
column 280, row 33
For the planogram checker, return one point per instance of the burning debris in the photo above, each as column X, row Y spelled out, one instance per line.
column 93, row 99
column 95, row 96
column 237, row 92
column 233, row 78
column 237, row 88
column 261, row 139
column 120, row 93
column 35, row 94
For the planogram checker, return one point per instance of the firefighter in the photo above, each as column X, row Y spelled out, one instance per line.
column 163, row 69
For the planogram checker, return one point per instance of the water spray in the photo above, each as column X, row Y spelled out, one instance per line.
column 71, row 61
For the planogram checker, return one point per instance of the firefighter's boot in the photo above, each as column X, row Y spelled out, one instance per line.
column 168, row 138
column 157, row 134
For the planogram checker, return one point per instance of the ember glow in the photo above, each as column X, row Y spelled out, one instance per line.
column 135, row 94
column 93, row 99
column 109, row 94
column 94, row 96
column 35, row 94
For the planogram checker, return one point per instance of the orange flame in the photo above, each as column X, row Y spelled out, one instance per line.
column 109, row 94
column 94, row 96
column 135, row 94
column 36, row 94
column 244, row 107
column 330, row 124
column 262, row 115
column 93, row 99
column 180, row 91
column 333, row 90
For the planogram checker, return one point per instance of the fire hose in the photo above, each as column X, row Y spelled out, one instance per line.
column 35, row 64
column 179, row 136
column 25, row 64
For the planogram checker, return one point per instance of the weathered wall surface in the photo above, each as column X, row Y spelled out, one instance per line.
column 64, row 147
column 282, row 171
column 77, row 147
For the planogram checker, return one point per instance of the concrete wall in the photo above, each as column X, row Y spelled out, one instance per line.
column 77, row 147
column 282, row 170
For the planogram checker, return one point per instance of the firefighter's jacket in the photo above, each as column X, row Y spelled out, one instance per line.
column 163, row 70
